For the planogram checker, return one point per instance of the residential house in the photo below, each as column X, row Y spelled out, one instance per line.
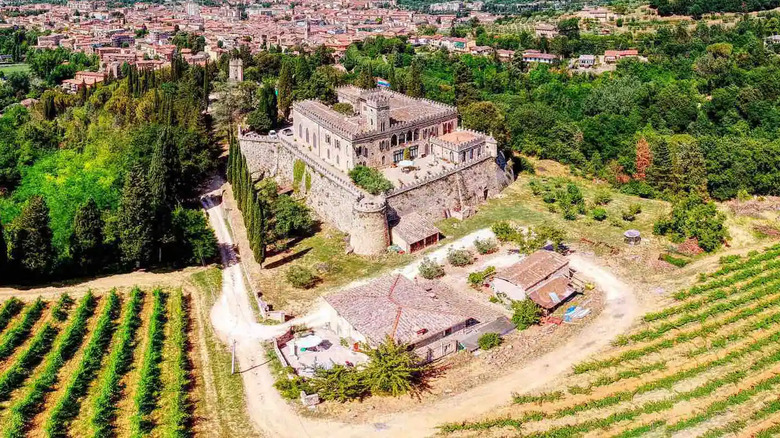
column 543, row 277
column 427, row 315
column 586, row 61
column 535, row 56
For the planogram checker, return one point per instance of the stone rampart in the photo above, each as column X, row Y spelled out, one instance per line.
column 464, row 186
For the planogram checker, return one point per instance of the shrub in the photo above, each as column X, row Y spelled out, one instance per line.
column 339, row 383
column 638, row 188
column 301, row 277
column 291, row 388
column 392, row 369
column 599, row 214
column 485, row 246
column 526, row 313
column 692, row 217
column 489, row 340
column 477, row 279
column 371, row 180
column 676, row 261
column 460, row 257
column 627, row 216
column 343, row 108
column 504, row 231
column 635, row 208
column 603, row 197
column 429, row 269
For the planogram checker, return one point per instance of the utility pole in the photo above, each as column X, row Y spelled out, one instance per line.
column 233, row 358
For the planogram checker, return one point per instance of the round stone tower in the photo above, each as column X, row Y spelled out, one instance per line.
column 370, row 234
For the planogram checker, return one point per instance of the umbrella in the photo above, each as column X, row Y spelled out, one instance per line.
column 406, row 163
column 308, row 341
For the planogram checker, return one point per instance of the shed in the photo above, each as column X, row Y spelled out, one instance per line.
column 414, row 232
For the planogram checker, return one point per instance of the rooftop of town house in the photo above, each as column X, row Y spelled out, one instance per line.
column 406, row 310
column 530, row 271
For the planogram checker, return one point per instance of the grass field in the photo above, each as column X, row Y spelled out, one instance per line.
column 12, row 68
column 708, row 365
column 114, row 364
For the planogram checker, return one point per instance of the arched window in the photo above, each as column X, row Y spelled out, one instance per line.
column 300, row 131
column 416, row 134
column 409, row 136
column 307, row 135
column 394, row 140
column 314, row 139
column 383, row 160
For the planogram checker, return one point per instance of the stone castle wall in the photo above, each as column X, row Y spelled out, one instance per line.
column 328, row 195
column 464, row 186
column 364, row 217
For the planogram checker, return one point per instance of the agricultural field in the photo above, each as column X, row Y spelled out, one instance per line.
column 708, row 365
column 14, row 68
column 113, row 364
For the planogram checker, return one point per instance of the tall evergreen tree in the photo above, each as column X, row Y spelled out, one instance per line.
column 86, row 242
column 259, row 232
column 285, row 90
column 366, row 77
column 3, row 252
column 414, row 83
column 164, row 170
column 465, row 89
column 31, row 248
column 661, row 173
column 136, row 219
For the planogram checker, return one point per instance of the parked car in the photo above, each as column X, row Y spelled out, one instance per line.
column 272, row 134
column 287, row 132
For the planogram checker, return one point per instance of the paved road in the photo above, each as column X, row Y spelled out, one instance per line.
column 233, row 319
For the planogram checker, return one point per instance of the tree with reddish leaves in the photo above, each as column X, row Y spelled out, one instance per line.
column 644, row 158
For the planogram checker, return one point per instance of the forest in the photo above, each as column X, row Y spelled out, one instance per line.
column 105, row 180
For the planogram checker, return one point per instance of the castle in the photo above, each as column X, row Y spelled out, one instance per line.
column 438, row 170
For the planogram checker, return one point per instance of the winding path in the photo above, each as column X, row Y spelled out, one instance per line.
column 234, row 319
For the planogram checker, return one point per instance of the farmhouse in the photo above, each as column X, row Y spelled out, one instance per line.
column 544, row 277
column 427, row 315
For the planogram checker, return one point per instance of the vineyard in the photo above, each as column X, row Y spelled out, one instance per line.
column 707, row 365
column 99, row 366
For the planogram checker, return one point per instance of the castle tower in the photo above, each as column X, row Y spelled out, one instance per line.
column 378, row 112
column 236, row 70
column 370, row 232
column 308, row 31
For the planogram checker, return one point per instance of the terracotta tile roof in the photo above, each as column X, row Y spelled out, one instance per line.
column 552, row 292
column 413, row 227
column 533, row 269
column 408, row 311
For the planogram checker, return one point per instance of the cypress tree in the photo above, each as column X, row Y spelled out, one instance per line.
column 3, row 251
column 31, row 246
column 136, row 219
column 163, row 171
column 414, row 84
column 258, row 234
column 86, row 242
column 285, row 90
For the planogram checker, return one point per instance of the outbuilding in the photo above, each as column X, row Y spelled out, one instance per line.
column 414, row 232
column 544, row 277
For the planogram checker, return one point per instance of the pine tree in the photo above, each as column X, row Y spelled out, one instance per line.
column 86, row 242
column 31, row 246
column 644, row 158
column 136, row 219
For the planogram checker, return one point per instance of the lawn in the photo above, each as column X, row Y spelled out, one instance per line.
column 12, row 68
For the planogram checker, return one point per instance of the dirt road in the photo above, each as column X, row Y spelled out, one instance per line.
column 234, row 320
